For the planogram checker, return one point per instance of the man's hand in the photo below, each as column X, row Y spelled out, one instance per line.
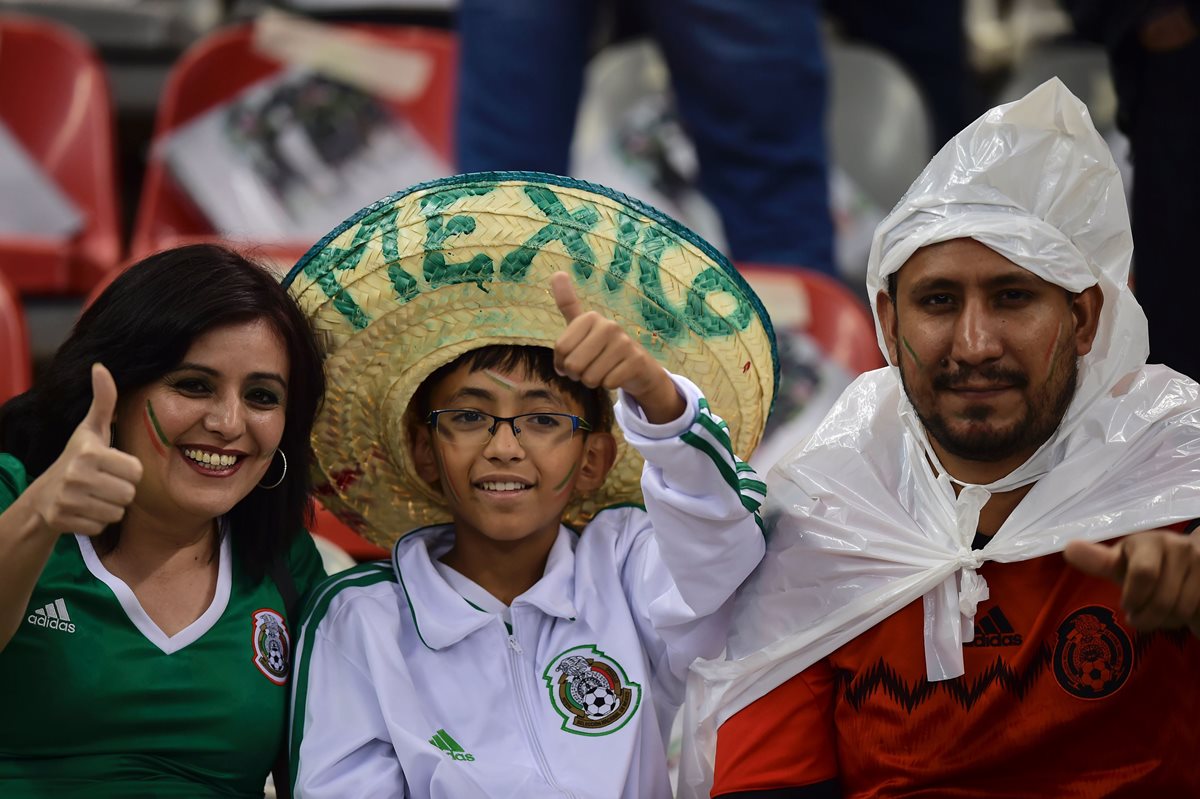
column 598, row 353
column 91, row 483
column 1159, row 574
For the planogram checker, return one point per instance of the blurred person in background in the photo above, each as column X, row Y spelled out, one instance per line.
column 155, row 489
column 1154, row 52
column 750, row 84
column 927, row 38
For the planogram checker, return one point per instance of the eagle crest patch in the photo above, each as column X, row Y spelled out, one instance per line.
column 590, row 691
column 272, row 645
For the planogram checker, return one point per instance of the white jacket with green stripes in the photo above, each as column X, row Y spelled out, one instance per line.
column 406, row 686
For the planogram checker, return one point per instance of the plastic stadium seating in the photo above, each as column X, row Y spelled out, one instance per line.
column 220, row 66
column 16, row 370
column 1082, row 67
column 836, row 318
column 329, row 527
column 55, row 100
column 879, row 128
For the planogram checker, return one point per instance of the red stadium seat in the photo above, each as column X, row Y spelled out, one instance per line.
column 54, row 98
column 16, row 370
column 100, row 286
column 328, row 526
column 223, row 64
column 840, row 323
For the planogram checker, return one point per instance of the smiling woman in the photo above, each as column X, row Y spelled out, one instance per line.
column 217, row 423
column 150, row 527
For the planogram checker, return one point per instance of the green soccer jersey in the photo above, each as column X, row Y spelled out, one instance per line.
column 96, row 701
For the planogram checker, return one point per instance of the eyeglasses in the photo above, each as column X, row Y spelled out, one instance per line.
column 533, row 430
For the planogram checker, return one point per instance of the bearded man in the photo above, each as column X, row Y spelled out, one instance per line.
column 970, row 587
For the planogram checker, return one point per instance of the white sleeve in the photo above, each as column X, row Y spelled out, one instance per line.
column 343, row 746
column 703, row 534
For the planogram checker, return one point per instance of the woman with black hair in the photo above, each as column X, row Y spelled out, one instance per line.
column 155, row 492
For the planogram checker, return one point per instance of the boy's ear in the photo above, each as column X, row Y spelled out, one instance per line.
column 599, row 454
column 424, row 458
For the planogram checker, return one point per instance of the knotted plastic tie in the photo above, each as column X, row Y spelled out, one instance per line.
column 972, row 589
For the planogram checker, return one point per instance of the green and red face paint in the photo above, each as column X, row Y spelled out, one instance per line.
column 157, row 437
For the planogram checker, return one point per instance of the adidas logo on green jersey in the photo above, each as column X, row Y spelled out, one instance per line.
column 442, row 740
column 53, row 616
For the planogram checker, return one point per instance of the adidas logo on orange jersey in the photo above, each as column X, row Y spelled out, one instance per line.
column 993, row 629
column 54, row 616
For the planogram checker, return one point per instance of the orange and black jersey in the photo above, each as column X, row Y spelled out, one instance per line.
column 1059, row 698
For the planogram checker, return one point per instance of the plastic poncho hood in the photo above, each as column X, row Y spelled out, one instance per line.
column 1034, row 181
column 860, row 524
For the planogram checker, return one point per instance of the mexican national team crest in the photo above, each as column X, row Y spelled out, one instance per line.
column 590, row 691
column 1093, row 656
column 272, row 646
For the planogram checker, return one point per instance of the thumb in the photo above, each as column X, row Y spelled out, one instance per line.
column 1098, row 560
column 564, row 296
column 104, row 402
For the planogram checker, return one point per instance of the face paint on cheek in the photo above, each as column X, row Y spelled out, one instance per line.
column 500, row 381
column 558, row 488
column 157, row 437
column 1049, row 356
column 912, row 353
column 446, row 483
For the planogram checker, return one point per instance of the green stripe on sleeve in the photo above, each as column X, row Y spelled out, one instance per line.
column 753, row 485
column 722, row 466
column 719, row 431
column 358, row 577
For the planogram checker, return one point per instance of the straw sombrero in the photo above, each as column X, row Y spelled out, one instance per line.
column 411, row 282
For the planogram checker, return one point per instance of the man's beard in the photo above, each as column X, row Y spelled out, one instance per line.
column 1043, row 412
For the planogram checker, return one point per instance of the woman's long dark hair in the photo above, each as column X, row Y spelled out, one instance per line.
column 141, row 327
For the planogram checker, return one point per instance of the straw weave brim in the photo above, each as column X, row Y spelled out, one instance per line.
column 415, row 280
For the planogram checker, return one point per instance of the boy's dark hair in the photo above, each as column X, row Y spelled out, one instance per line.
column 536, row 361
column 140, row 328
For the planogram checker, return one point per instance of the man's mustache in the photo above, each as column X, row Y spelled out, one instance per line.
column 966, row 375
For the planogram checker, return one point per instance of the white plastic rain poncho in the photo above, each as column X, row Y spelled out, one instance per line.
column 861, row 525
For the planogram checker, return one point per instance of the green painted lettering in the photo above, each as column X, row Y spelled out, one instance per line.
column 628, row 231
column 702, row 318
column 435, row 267
column 661, row 317
column 324, row 268
column 566, row 227
column 666, row 320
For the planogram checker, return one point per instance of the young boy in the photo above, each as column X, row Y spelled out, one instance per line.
column 499, row 653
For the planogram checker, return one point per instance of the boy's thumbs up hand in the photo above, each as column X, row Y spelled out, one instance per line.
column 597, row 352
column 564, row 296
column 91, row 483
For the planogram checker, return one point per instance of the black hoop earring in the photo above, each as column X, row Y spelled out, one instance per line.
column 282, row 474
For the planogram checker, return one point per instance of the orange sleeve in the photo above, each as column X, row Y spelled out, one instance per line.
column 783, row 740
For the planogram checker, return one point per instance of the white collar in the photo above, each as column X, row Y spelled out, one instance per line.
column 169, row 644
column 442, row 617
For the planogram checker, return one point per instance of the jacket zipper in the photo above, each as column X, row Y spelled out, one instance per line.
column 514, row 659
